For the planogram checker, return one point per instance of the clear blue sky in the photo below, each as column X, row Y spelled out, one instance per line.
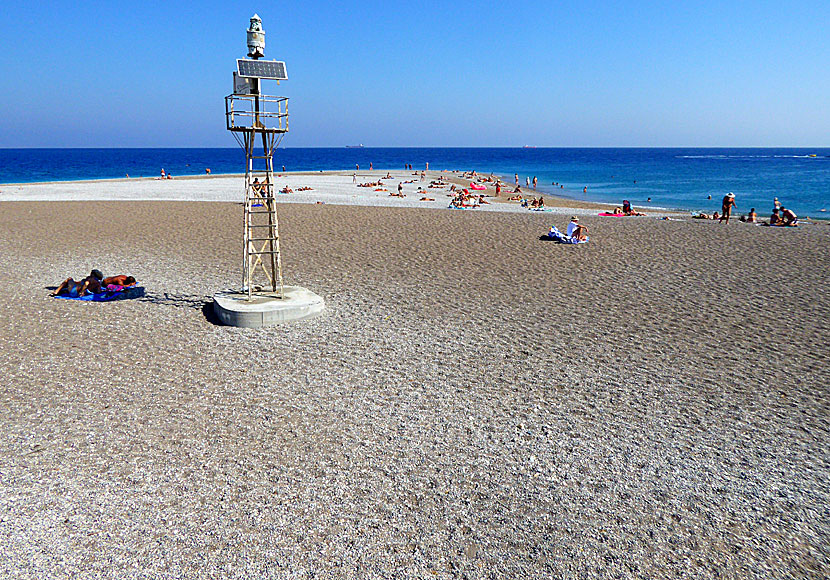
column 428, row 73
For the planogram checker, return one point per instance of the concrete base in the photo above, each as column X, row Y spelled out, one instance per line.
column 233, row 308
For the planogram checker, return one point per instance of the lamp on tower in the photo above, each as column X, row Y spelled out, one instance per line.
column 256, row 38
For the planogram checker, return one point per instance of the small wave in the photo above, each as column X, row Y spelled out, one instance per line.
column 748, row 157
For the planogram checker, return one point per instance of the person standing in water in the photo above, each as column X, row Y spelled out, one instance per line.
column 726, row 208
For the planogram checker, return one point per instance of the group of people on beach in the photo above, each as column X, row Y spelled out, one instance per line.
column 95, row 283
column 781, row 216
column 534, row 203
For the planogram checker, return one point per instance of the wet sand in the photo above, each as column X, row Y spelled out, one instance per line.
column 474, row 402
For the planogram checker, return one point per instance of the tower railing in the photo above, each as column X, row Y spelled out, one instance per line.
column 262, row 113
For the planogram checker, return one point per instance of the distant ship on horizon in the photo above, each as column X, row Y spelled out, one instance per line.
column 354, row 146
column 529, row 147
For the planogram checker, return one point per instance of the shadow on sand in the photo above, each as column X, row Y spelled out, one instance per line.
column 192, row 301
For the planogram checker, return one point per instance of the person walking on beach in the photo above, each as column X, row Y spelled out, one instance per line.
column 535, row 181
column 776, row 204
column 516, row 177
column 498, row 188
column 726, row 208
column 354, row 177
column 370, row 166
column 527, row 181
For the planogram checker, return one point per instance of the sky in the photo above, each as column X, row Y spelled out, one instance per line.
column 423, row 74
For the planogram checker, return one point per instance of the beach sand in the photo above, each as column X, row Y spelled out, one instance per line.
column 473, row 403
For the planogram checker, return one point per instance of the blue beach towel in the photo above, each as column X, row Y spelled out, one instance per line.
column 106, row 295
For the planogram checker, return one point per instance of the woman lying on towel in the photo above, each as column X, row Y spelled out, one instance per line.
column 91, row 283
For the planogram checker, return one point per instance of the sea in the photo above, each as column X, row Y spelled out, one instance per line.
column 692, row 179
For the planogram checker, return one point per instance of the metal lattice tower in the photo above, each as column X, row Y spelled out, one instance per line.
column 257, row 120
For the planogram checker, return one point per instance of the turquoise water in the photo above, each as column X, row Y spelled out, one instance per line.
column 674, row 178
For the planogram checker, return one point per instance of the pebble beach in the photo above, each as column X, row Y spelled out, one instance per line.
column 473, row 403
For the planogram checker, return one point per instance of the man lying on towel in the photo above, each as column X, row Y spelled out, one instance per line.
column 117, row 282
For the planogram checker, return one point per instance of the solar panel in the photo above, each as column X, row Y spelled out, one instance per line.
column 261, row 69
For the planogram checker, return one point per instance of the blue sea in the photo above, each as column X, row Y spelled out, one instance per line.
column 671, row 177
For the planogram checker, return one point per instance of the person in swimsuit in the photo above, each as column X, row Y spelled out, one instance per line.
column 121, row 280
column 91, row 283
column 726, row 208
column 789, row 218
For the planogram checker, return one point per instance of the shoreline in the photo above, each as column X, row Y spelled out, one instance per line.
column 675, row 178
column 230, row 191
column 331, row 187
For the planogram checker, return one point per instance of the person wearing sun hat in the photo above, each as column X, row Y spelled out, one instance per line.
column 577, row 231
column 728, row 204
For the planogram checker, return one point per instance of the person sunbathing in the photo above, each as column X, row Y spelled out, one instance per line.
column 481, row 200
column 286, row 189
column 427, row 199
column 515, row 198
column 775, row 218
column 628, row 210
column 91, row 283
column 120, row 280
column 790, row 219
